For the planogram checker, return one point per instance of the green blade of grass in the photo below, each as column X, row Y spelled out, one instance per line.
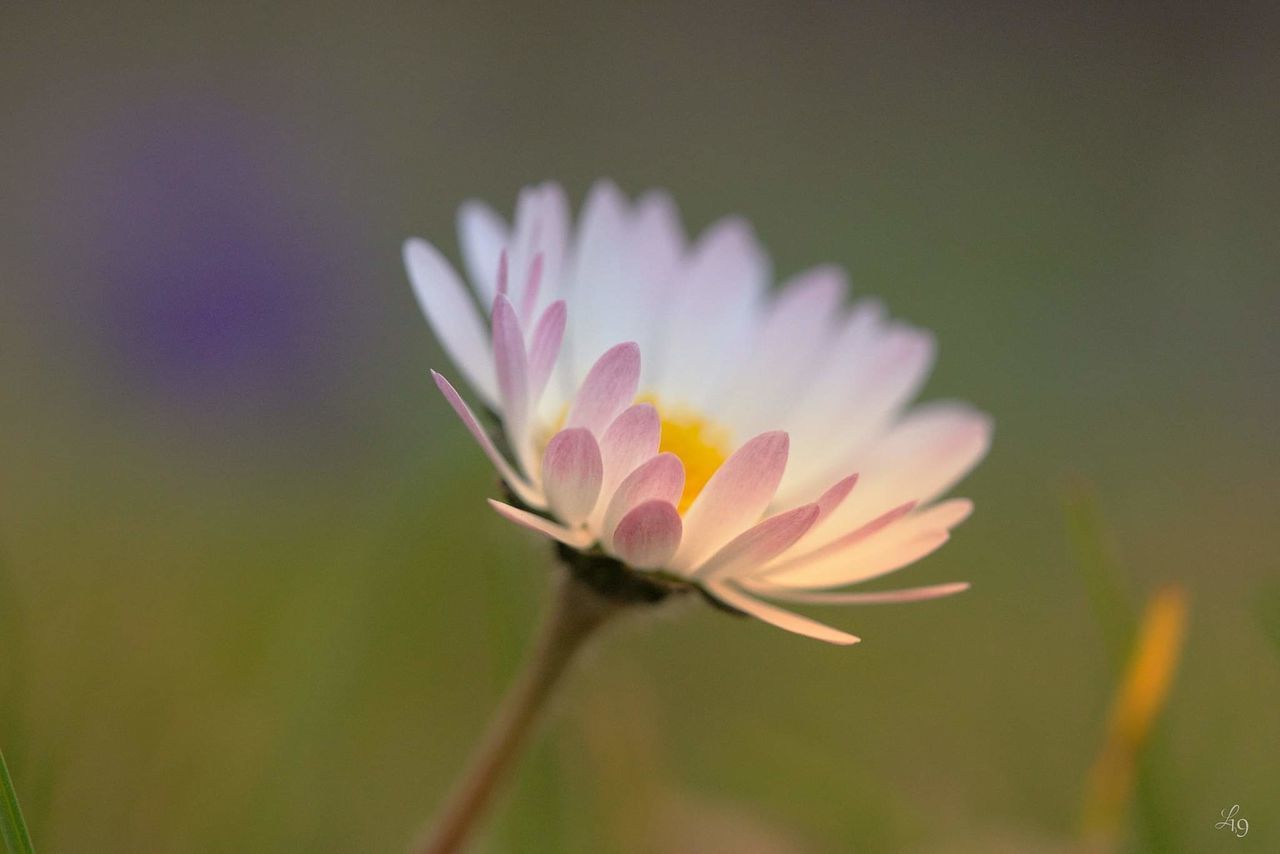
column 12, row 827
column 1106, row 584
column 1103, row 577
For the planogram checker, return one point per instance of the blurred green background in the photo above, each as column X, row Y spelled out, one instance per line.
column 251, row 598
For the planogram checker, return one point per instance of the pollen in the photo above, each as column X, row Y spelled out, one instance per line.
column 701, row 444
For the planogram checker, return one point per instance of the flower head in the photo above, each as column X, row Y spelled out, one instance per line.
column 663, row 410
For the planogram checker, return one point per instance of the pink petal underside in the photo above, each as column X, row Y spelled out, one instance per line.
column 734, row 597
column 532, row 287
column 630, row 440
column 504, row 274
column 759, row 544
column 648, row 535
column 840, row 544
column 512, row 366
column 534, row 522
column 517, row 483
column 880, row 597
column 895, row 545
column 945, row 514
column 482, row 235
column 548, row 336
column 661, row 478
column 861, row 564
column 540, row 230
column 609, row 388
column 734, row 498
column 830, row 500
column 571, row 473
column 452, row 315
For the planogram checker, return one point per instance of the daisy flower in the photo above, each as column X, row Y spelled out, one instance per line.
column 676, row 424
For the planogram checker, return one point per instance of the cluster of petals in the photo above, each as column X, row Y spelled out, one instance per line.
column 594, row 336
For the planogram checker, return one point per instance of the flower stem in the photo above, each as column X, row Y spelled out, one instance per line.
column 576, row 613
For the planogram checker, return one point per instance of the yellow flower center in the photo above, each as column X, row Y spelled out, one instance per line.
column 701, row 444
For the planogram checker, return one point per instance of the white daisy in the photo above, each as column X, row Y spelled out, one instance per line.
column 676, row 424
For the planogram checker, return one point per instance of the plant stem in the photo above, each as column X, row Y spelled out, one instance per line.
column 575, row 614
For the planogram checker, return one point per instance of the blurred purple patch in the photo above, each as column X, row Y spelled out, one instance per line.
column 215, row 290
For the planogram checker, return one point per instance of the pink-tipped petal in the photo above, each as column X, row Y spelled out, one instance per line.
column 861, row 563
column 648, row 535
column 504, row 274
column 945, row 514
column 532, row 287
column 733, row 499
column 880, row 597
column 482, row 235
column 759, row 544
column 830, row 500
column 661, row 478
column 609, row 388
column 843, row 543
column 733, row 596
column 630, row 440
column 534, row 522
column 920, row 457
column 452, row 315
column 548, row 336
column 571, row 474
column 511, row 363
column 517, row 483
column 538, row 243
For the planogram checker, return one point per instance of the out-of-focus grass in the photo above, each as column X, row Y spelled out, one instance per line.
column 1268, row 613
column 1145, row 652
column 13, row 828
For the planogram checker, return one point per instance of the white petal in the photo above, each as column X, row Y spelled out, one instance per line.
column 623, row 276
column 576, row 539
column 540, row 231
column 714, row 307
column 735, row 598
column 919, row 459
column 482, row 235
column 518, row 484
column 452, row 315
column 595, row 271
column 785, row 356
column 878, row 597
column 889, row 542
column 881, row 378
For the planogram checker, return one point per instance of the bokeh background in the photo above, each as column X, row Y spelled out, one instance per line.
column 251, row 598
